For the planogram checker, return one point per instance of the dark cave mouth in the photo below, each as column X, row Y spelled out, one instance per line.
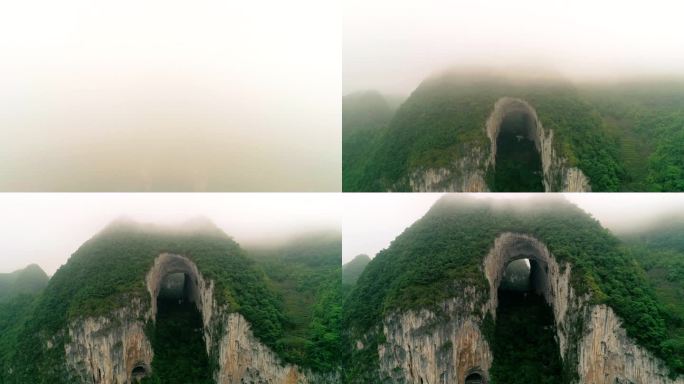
column 525, row 349
column 139, row 373
column 518, row 161
column 475, row 378
column 178, row 341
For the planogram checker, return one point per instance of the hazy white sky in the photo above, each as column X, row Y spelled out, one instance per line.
column 170, row 95
column 47, row 228
column 392, row 45
column 372, row 220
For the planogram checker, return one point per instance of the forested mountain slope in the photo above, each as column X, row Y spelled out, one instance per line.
column 305, row 272
column 109, row 281
column 442, row 258
column 622, row 136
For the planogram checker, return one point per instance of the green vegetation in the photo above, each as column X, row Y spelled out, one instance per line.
column 179, row 353
column 524, row 349
column 440, row 253
column 646, row 118
column 108, row 272
column 519, row 167
column 18, row 292
column 29, row 280
column 365, row 116
column 306, row 274
column 659, row 249
column 624, row 136
column 444, row 120
column 353, row 269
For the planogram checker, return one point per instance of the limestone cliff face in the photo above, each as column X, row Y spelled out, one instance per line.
column 243, row 359
column 109, row 349
column 106, row 349
column 558, row 176
column 468, row 173
column 430, row 347
column 608, row 356
column 465, row 175
column 425, row 347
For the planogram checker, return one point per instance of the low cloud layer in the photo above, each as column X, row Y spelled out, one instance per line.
column 169, row 96
column 372, row 221
column 47, row 228
column 393, row 45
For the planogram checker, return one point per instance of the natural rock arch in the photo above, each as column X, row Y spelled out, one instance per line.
column 509, row 247
column 196, row 289
column 548, row 279
column 199, row 291
column 507, row 107
column 448, row 346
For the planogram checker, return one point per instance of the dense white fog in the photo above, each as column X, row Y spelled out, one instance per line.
column 170, row 95
column 47, row 228
column 392, row 45
column 371, row 221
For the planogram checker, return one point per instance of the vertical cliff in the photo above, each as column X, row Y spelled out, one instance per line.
column 445, row 344
column 469, row 172
column 425, row 346
column 115, row 349
column 607, row 355
column 558, row 176
column 106, row 349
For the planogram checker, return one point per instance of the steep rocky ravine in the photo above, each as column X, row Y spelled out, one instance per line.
column 429, row 347
column 108, row 349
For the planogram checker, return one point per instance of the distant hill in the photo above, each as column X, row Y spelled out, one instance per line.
column 29, row 280
column 366, row 110
column 353, row 269
column 365, row 117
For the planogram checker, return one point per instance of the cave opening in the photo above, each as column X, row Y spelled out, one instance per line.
column 178, row 339
column 518, row 161
column 525, row 349
column 138, row 373
column 474, row 378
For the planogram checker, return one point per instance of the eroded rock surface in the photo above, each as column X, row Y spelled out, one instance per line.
column 106, row 349
column 607, row 355
column 465, row 175
column 468, row 173
column 426, row 347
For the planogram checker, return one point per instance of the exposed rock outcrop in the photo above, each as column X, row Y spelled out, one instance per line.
column 431, row 347
column 608, row 356
column 467, row 174
column 557, row 175
column 243, row 359
column 107, row 349
column 426, row 347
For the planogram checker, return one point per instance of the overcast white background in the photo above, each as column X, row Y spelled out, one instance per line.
column 170, row 95
column 392, row 45
column 47, row 228
column 372, row 220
